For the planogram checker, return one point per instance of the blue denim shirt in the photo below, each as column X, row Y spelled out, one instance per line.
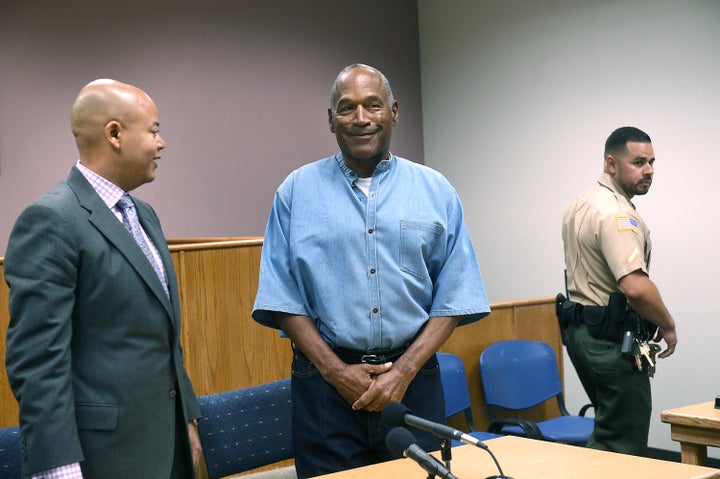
column 369, row 271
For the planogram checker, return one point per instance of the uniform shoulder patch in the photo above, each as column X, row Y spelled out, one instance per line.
column 627, row 223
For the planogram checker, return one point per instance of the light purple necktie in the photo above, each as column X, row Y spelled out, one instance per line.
column 132, row 223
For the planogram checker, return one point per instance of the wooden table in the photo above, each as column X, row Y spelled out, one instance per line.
column 522, row 458
column 694, row 427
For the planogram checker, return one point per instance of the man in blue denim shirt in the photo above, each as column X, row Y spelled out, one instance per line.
column 367, row 267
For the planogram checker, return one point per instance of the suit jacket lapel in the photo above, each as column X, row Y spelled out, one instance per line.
column 107, row 223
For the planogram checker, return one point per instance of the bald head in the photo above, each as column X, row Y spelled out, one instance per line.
column 100, row 102
column 116, row 129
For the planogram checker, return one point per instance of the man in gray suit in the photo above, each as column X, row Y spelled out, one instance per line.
column 93, row 350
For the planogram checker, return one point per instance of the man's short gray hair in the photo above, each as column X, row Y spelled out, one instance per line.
column 334, row 90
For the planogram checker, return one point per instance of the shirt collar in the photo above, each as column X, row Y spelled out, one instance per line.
column 352, row 176
column 108, row 191
column 609, row 182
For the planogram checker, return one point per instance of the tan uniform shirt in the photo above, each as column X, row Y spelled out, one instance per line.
column 604, row 239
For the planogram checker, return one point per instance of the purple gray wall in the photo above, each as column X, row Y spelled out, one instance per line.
column 242, row 88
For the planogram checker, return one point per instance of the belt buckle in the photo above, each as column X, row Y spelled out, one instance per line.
column 372, row 359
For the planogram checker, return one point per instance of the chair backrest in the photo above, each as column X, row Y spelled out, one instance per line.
column 454, row 381
column 10, row 453
column 519, row 374
column 246, row 428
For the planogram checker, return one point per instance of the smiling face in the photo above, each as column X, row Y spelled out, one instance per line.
column 633, row 169
column 140, row 146
column 362, row 118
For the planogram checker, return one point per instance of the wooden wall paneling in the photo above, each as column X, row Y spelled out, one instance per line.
column 224, row 347
column 8, row 405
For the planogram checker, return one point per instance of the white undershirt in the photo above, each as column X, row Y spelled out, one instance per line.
column 364, row 185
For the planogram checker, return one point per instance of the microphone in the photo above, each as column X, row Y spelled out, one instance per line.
column 401, row 443
column 396, row 414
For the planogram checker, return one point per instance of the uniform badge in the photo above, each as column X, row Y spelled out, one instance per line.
column 627, row 223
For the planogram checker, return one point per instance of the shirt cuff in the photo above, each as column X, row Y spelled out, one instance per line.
column 69, row 471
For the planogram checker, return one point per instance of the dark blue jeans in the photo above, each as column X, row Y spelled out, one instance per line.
column 328, row 436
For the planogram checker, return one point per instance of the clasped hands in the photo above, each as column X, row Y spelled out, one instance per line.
column 371, row 386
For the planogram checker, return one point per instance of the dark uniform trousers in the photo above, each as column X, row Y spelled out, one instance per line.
column 619, row 392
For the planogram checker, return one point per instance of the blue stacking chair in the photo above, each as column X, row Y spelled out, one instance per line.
column 457, row 394
column 246, row 428
column 10, row 453
column 520, row 374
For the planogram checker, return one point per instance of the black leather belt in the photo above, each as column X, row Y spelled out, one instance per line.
column 376, row 356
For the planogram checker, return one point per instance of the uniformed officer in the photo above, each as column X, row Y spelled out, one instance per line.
column 607, row 250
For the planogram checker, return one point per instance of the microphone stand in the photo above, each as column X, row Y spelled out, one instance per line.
column 446, row 452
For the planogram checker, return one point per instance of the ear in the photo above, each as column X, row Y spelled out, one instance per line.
column 112, row 131
column 330, row 121
column 395, row 113
column 611, row 164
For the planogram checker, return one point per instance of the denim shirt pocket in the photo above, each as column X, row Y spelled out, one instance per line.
column 417, row 241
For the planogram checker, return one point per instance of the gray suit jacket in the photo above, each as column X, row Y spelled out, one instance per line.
column 93, row 351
